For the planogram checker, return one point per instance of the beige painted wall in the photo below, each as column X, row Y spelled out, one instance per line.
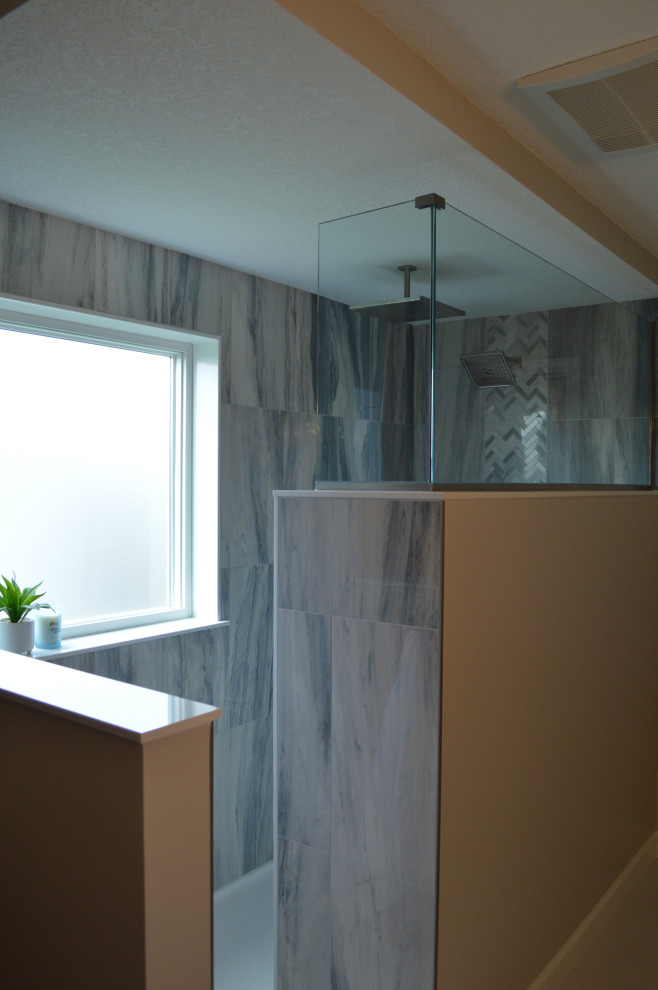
column 106, row 877
column 550, row 721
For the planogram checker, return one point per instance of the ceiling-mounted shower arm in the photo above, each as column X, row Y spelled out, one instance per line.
column 407, row 269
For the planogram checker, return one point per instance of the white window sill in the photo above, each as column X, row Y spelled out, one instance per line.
column 125, row 637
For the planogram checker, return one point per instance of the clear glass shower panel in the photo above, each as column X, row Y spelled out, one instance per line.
column 576, row 406
column 373, row 369
column 530, row 377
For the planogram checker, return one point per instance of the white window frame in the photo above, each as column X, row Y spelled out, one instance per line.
column 196, row 539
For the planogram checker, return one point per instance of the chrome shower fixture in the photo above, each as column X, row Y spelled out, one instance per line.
column 415, row 310
column 491, row 369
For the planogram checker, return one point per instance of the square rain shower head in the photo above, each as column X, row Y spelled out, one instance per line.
column 488, row 370
column 415, row 310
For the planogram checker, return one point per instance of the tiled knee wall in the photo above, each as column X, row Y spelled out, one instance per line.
column 357, row 740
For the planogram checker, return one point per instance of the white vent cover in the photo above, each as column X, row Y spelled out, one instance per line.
column 613, row 96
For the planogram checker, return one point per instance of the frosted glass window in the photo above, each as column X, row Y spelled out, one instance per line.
column 94, row 476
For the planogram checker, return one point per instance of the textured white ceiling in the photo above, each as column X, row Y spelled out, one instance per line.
column 484, row 47
column 227, row 129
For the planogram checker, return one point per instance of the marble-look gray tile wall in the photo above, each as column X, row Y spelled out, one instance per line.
column 357, row 712
column 373, row 389
column 268, row 441
column 648, row 310
column 458, row 407
column 580, row 410
column 599, row 419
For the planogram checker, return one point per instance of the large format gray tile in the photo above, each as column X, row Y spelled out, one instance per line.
column 303, row 727
column 300, row 441
column 131, row 278
column 599, row 363
column 50, row 259
column 345, row 449
column 458, row 406
column 300, row 351
column 262, row 450
column 383, row 931
column 458, row 428
column 247, row 593
column 251, row 469
column 116, row 664
column 646, row 308
column 205, row 659
column 581, row 451
column 421, row 452
column 384, row 748
column 387, row 560
column 367, row 368
column 422, row 375
column 77, row 661
column 343, row 363
column 599, row 452
column 188, row 666
column 4, row 244
column 198, row 296
column 303, row 919
column 582, row 362
column 242, row 799
column 393, row 365
column 271, row 345
column 181, row 290
column 457, row 337
column 304, row 554
column 158, row 664
column 632, row 451
column 392, row 457
column 633, row 362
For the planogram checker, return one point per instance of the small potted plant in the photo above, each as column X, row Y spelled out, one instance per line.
column 17, row 629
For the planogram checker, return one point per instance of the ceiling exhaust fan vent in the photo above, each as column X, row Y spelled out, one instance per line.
column 613, row 96
column 618, row 113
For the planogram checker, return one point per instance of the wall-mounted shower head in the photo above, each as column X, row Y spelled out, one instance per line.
column 490, row 370
column 408, row 310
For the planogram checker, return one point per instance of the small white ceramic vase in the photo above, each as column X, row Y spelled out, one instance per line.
column 17, row 637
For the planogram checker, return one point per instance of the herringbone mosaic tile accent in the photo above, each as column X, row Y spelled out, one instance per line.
column 515, row 449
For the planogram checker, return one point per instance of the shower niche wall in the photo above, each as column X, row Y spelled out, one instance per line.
column 400, row 403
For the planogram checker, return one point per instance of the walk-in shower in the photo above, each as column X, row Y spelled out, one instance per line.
column 493, row 367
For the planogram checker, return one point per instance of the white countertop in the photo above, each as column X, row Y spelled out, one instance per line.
column 120, row 709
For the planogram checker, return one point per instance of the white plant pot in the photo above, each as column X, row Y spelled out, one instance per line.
column 17, row 637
